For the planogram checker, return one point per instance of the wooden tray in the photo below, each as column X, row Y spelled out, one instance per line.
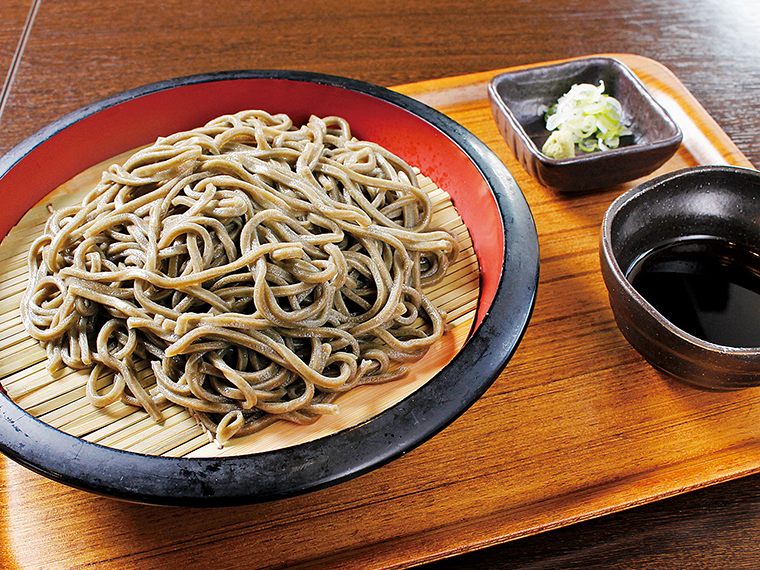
column 578, row 425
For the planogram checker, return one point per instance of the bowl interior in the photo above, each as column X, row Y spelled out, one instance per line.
column 712, row 201
column 104, row 130
column 529, row 93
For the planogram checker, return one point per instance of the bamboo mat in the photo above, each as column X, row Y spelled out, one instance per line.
column 59, row 400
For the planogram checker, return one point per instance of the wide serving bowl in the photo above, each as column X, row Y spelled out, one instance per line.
column 519, row 100
column 482, row 189
column 715, row 201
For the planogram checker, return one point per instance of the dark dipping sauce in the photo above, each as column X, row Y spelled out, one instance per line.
column 707, row 286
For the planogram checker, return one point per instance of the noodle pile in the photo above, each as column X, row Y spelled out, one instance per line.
column 248, row 270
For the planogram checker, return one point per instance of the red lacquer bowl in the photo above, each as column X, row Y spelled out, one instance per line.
column 482, row 189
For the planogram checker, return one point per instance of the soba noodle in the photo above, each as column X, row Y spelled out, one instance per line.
column 259, row 269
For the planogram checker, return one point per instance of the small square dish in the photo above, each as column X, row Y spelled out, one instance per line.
column 520, row 99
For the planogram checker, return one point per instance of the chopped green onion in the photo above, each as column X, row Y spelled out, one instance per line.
column 594, row 120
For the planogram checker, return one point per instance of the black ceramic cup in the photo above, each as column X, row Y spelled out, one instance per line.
column 717, row 201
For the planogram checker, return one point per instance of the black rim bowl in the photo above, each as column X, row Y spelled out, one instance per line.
column 329, row 460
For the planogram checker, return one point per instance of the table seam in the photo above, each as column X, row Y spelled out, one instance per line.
column 18, row 53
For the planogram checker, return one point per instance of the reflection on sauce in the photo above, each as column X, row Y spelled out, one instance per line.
column 707, row 286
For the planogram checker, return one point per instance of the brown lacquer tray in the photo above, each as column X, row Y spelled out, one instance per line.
column 577, row 425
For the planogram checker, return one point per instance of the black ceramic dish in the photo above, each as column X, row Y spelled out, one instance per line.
column 485, row 193
column 717, row 201
column 519, row 100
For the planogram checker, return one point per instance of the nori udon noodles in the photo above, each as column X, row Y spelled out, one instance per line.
column 258, row 268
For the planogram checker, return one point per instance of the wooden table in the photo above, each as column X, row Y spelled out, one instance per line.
column 57, row 57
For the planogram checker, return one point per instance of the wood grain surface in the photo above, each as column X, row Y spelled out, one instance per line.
column 16, row 14
column 454, row 493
